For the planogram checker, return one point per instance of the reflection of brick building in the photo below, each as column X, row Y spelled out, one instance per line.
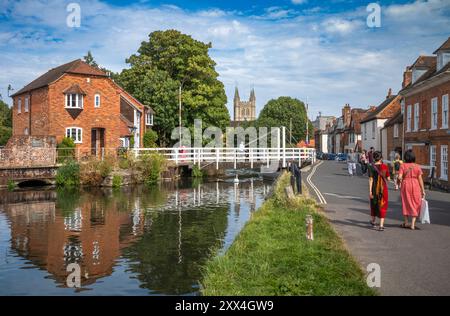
column 80, row 101
column 87, row 235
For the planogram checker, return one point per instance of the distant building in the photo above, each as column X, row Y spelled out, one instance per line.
column 244, row 111
column 371, row 126
column 392, row 136
column 321, row 132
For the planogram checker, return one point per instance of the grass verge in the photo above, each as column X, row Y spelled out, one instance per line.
column 271, row 255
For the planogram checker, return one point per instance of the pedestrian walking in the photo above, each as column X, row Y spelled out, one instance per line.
column 378, row 190
column 396, row 163
column 351, row 163
column 370, row 155
column 363, row 161
column 412, row 189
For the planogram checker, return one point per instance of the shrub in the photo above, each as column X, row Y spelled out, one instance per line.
column 150, row 138
column 117, row 181
column 152, row 165
column 68, row 174
column 94, row 171
column 197, row 172
column 11, row 185
column 65, row 150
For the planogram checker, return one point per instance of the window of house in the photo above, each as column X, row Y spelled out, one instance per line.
column 396, row 128
column 433, row 155
column 402, row 106
column 373, row 129
column 444, row 162
column 26, row 105
column 445, row 111
column 97, row 101
column 365, row 131
column 75, row 133
column 408, row 118
column 25, row 131
column 74, row 101
column 19, row 105
column 434, row 113
column 149, row 119
column 416, row 116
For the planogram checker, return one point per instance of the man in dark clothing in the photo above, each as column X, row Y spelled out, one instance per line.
column 370, row 155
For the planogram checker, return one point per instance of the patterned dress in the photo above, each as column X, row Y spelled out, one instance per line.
column 379, row 202
column 410, row 191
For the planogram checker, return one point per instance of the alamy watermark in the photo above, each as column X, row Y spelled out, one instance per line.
column 374, row 275
column 374, row 17
column 74, row 17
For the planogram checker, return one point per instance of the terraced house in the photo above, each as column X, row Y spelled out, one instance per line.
column 80, row 101
column 426, row 111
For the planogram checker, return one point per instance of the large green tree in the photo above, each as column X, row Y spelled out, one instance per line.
column 5, row 123
column 284, row 111
column 168, row 60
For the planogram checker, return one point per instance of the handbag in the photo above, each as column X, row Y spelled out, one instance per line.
column 424, row 213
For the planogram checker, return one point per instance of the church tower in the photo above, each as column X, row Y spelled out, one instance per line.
column 244, row 110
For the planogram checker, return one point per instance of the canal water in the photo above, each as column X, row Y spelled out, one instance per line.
column 131, row 241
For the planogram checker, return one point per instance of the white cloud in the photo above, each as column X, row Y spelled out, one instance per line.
column 341, row 26
column 299, row 1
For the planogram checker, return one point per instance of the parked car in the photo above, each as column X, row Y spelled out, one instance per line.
column 341, row 157
column 319, row 155
column 331, row 156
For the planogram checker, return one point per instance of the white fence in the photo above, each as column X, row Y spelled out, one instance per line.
column 186, row 156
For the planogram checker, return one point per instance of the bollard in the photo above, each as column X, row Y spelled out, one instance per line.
column 309, row 228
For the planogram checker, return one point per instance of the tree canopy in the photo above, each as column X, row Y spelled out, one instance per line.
column 168, row 60
column 279, row 112
column 5, row 123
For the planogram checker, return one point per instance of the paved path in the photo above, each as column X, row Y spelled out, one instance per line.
column 412, row 262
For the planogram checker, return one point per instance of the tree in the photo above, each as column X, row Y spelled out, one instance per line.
column 89, row 59
column 279, row 112
column 168, row 60
column 5, row 123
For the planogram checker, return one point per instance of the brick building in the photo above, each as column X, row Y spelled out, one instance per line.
column 426, row 111
column 80, row 101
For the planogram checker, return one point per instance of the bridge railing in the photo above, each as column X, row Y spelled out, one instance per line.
column 184, row 156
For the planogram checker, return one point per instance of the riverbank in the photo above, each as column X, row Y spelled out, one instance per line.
column 271, row 255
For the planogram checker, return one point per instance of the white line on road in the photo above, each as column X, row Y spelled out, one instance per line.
column 308, row 179
column 344, row 196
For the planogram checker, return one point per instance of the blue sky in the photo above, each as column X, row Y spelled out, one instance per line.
column 322, row 50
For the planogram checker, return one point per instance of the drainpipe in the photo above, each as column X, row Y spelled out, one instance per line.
column 29, row 113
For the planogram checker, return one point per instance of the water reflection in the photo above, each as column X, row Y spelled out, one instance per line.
column 129, row 241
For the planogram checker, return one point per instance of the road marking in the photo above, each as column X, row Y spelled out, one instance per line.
column 308, row 179
column 344, row 196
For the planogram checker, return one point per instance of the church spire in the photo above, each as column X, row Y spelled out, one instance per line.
column 236, row 94
column 252, row 95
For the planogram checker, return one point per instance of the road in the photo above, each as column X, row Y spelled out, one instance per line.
column 412, row 262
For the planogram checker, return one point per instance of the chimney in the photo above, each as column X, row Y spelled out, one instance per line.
column 346, row 114
column 407, row 77
column 389, row 93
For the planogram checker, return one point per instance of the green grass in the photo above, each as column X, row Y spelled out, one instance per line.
column 271, row 256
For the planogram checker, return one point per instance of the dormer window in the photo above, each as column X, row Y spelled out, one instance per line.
column 443, row 58
column 417, row 73
column 74, row 97
column 74, row 101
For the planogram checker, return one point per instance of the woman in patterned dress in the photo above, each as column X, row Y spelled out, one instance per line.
column 378, row 190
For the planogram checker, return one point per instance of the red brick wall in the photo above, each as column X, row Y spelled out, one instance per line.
column 38, row 125
column 436, row 137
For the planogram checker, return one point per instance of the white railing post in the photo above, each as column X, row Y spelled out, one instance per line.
column 217, row 158
column 235, row 158
column 251, row 157
column 284, row 146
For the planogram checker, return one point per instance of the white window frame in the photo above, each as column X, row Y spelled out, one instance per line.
column 78, row 101
column 416, row 116
column 365, row 131
column 408, row 118
column 433, row 156
column 444, row 162
column 434, row 113
column 149, row 119
column 78, row 134
column 26, row 105
column 19, row 105
column 396, row 130
column 97, row 97
column 374, row 123
column 445, row 111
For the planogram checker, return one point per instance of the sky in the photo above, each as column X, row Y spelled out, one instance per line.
column 320, row 51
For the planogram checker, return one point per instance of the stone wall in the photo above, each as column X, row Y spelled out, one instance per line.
column 28, row 151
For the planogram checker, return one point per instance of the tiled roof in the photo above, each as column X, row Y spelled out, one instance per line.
column 74, row 89
column 446, row 45
column 397, row 118
column 76, row 67
column 377, row 113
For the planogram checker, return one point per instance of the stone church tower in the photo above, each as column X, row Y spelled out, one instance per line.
column 244, row 110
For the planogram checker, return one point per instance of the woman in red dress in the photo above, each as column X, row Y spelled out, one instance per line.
column 378, row 190
column 412, row 189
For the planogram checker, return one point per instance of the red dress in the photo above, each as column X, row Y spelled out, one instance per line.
column 379, row 202
column 410, row 191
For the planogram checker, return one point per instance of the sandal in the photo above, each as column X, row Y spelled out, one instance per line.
column 381, row 229
column 403, row 225
column 415, row 228
column 373, row 224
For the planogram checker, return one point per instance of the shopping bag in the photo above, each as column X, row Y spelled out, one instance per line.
column 424, row 213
